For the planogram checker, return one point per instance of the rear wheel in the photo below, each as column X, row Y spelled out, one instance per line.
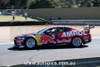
column 30, row 43
column 77, row 42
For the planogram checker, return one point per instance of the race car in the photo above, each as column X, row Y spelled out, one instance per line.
column 54, row 36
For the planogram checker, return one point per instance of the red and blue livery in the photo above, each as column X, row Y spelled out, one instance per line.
column 54, row 36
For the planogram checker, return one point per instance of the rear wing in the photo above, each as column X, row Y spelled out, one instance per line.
column 88, row 27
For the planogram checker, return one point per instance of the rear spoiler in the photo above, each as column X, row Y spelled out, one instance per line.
column 88, row 27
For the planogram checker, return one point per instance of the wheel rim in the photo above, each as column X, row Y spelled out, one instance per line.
column 77, row 41
column 30, row 43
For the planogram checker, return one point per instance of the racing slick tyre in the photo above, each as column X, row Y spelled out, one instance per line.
column 30, row 43
column 76, row 42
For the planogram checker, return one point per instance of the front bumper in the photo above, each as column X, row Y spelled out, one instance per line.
column 19, row 43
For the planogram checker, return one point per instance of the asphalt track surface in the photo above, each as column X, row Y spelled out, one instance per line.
column 10, row 56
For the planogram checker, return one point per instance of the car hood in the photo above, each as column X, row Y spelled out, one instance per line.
column 26, row 35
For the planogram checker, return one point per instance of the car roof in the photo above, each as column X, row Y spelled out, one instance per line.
column 59, row 27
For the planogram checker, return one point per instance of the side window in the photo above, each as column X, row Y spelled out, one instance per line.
column 60, row 29
column 52, row 30
column 67, row 29
column 63, row 29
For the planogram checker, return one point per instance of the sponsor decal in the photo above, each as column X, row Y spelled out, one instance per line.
column 19, row 41
column 45, row 39
column 63, row 41
column 73, row 33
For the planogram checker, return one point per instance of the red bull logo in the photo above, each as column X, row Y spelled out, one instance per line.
column 45, row 39
column 63, row 41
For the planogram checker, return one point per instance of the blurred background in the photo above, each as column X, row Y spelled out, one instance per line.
column 42, row 12
column 52, row 9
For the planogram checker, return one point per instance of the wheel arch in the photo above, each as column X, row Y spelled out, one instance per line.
column 77, row 36
column 77, row 44
column 32, row 38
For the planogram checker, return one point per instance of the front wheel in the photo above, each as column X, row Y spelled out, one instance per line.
column 30, row 43
column 77, row 42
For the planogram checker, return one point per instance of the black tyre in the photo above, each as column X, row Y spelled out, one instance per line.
column 76, row 42
column 30, row 43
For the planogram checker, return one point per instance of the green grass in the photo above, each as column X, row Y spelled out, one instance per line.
column 17, row 18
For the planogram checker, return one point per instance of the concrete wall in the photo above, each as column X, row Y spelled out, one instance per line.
column 67, row 13
column 76, row 22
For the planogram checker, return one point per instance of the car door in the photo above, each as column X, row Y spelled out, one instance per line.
column 59, row 38
column 48, row 37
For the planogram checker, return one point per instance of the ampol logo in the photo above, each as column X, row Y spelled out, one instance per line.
column 68, row 34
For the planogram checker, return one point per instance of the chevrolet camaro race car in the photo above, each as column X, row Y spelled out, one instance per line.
column 54, row 36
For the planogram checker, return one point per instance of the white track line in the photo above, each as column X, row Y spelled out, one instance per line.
column 6, row 43
column 96, row 37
